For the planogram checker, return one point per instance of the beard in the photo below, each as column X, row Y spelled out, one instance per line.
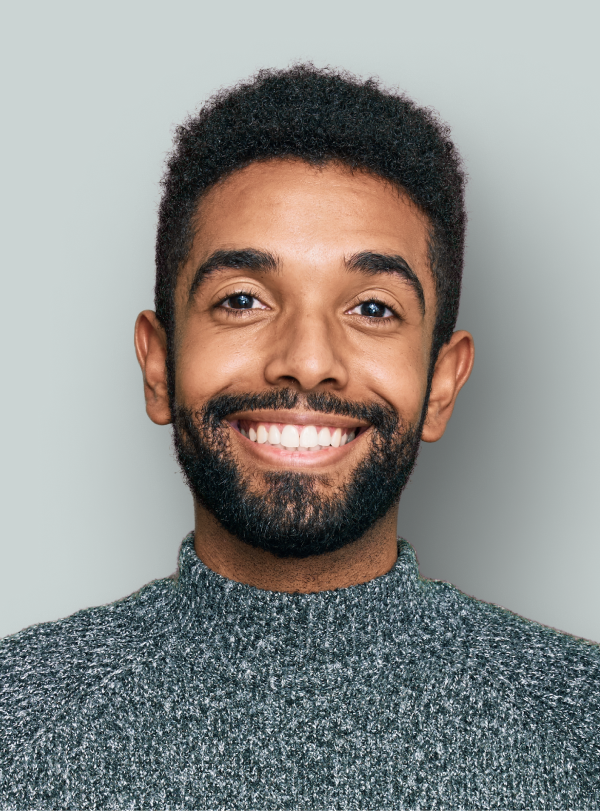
column 290, row 515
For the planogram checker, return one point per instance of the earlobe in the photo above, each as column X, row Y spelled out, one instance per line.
column 452, row 370
column 151, row 350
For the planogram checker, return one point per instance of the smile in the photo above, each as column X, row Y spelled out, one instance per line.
column 296, row 438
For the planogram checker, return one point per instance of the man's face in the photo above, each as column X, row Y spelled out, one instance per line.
column 304, row 321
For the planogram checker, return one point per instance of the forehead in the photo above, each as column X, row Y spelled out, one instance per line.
column 312, row 216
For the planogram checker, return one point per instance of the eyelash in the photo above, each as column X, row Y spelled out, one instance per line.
column 231, row 311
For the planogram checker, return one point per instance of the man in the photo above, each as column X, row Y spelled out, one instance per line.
column 309, row 258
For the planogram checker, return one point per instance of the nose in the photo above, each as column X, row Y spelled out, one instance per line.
column 307, row 353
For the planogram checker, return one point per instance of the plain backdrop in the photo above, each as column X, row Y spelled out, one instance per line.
column 505, row 506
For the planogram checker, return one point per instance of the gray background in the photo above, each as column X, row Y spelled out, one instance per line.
column 93, row 506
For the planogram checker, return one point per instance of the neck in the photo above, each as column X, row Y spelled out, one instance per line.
column 371, row 556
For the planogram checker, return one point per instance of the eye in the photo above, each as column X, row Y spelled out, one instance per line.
column 372, row 309
column 242, row 301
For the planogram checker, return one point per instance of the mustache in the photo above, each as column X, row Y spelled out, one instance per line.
column 381, row 417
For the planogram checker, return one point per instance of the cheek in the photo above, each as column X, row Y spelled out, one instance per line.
column 210, row 363
column 397, row 373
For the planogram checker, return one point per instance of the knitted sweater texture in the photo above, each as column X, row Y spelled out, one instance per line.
column 198, row 692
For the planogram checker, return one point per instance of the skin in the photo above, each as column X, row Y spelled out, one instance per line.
column 305, row 330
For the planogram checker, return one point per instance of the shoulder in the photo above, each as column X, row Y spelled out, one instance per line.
column 529, row 670
column 490, row 634
column 489, row 628
column 495, row 634
column 45, row 665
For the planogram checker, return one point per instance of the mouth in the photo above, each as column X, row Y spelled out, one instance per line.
column 297, row 435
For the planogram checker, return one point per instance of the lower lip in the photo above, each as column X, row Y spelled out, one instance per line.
column 294, row 458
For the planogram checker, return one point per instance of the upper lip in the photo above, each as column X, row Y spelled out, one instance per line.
column 298, row 418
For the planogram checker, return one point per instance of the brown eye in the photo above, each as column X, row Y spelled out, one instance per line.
column 240, row 302
column 372, row 309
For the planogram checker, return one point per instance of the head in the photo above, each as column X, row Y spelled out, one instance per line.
column 309, row 258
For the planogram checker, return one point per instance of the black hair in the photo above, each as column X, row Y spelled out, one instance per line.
column 317, row 115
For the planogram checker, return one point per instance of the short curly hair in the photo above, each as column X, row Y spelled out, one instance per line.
column 317, row 115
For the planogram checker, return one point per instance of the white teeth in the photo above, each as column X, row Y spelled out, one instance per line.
column 324, row 438
column 290, row 438
column 308, row 437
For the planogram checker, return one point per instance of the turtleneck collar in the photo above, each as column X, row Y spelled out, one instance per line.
column 221, row 606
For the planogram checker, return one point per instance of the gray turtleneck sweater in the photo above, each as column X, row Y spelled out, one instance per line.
column 198, row 692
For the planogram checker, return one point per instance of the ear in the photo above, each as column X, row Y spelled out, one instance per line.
column 452, row 370
column 151, row 350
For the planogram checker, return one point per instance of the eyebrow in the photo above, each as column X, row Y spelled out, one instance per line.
column 373, row 263
column 246, row 259
column 365, row 262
